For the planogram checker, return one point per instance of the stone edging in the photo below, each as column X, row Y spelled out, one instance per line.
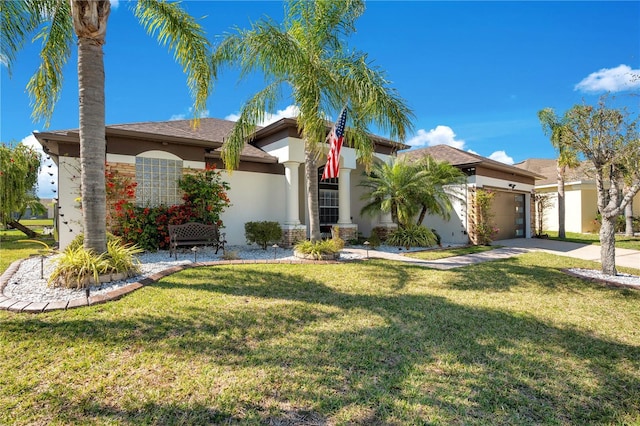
column 600, row 280
column 13, row 305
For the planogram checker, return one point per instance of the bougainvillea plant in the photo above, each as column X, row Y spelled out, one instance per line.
column 205, row 198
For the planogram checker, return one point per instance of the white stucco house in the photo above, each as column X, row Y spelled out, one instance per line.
column 269, row 183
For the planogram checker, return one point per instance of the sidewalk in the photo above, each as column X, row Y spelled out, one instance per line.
column 624, row 257
column 514, row 247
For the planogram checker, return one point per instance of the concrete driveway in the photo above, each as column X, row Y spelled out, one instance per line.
column 624, row 257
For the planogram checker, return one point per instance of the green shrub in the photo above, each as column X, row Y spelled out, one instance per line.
column 262, row 233
column 78, row 241
column 77, row 266
column 317, row 249
column 374, row 239
column 412, row 236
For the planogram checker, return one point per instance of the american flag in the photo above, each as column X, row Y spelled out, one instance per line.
column 336, row 137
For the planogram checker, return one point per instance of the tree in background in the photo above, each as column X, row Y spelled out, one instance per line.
column 306, row 56
column 553, row 127
column 56, row 22
column 19, row 168
column 608, row 139
column 543, row 201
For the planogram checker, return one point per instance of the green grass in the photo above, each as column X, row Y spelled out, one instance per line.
column 622, row 241
column 448, row 252
column 507, row 342
column 11, row 249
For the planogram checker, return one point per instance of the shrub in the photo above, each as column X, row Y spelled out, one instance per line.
column 412, row 236
column 77, row 266
column 317, row 249
column 262, row 233
column 205, row 198
column 374, row 239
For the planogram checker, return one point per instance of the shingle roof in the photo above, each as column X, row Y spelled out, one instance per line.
column 459, row 158
column 548, row 168
column 209, row 129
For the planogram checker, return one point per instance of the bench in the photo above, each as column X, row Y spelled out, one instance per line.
column 194, row 234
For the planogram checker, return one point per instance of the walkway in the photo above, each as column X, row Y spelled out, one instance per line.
column 514, row 247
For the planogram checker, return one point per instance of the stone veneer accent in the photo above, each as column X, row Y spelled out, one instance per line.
column 346, row 232
column 383, row 231
column 291, row 234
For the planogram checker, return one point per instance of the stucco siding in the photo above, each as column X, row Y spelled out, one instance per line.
column 254, row 197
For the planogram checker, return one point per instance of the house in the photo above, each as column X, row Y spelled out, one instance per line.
column 581, row 200
column 512, row 206
column 269, row 183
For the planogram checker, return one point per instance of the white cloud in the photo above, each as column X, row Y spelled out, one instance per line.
column 502, row 157
column 610, row 80
column 189, row 116
column 441, row 135
column 46, row 174
column 115, row 4
column 289, row 112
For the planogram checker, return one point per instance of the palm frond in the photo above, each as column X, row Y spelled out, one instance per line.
column 252, row 113
column 45, row 85
column 182, row 34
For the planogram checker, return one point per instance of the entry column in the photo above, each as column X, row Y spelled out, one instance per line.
column 347, row 229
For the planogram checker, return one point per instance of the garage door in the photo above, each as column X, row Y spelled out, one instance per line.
column 509, row 215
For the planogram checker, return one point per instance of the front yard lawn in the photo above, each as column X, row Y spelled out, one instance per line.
column 622, row 241
column 506, row 342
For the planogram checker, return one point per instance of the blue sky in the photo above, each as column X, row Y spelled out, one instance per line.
column 474, row 73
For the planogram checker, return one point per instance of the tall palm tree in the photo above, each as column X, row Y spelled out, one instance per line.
column 434, row 198
column 553, row 127
column 56, row 23
column 306, row 55
column 395, row 187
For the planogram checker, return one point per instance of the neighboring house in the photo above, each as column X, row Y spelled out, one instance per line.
column 268, row 185
column 512, row 205
column 581, row 200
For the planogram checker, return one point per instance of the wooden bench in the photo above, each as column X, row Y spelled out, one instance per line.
column 194, row 234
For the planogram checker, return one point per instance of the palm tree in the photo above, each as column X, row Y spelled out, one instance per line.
column 56, row 23
column 306, row 56
column 554, row 128
column 395, row 187
column 434, row 198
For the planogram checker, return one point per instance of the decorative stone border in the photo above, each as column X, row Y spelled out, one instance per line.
column 13, row 305
column 601, row 280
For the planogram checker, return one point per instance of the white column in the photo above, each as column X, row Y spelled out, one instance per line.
column 291, row 192
column 344, row 197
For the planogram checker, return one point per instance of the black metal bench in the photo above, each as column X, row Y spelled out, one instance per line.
column 194, row 234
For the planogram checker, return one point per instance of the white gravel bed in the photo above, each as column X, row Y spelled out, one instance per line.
column 620, row 278
column 27, row 285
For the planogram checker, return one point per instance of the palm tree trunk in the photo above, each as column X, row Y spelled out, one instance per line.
column 92, row 143
column 423, row 214
column 628, row 214
column 311, row 180
column 26, row 231
column 90, row 24
column 561, row 203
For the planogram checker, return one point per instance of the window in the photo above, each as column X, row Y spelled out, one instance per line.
column 327, row 200
column 328, row 204
column 158, row 181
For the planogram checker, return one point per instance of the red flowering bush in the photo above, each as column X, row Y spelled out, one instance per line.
column 205, row 198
